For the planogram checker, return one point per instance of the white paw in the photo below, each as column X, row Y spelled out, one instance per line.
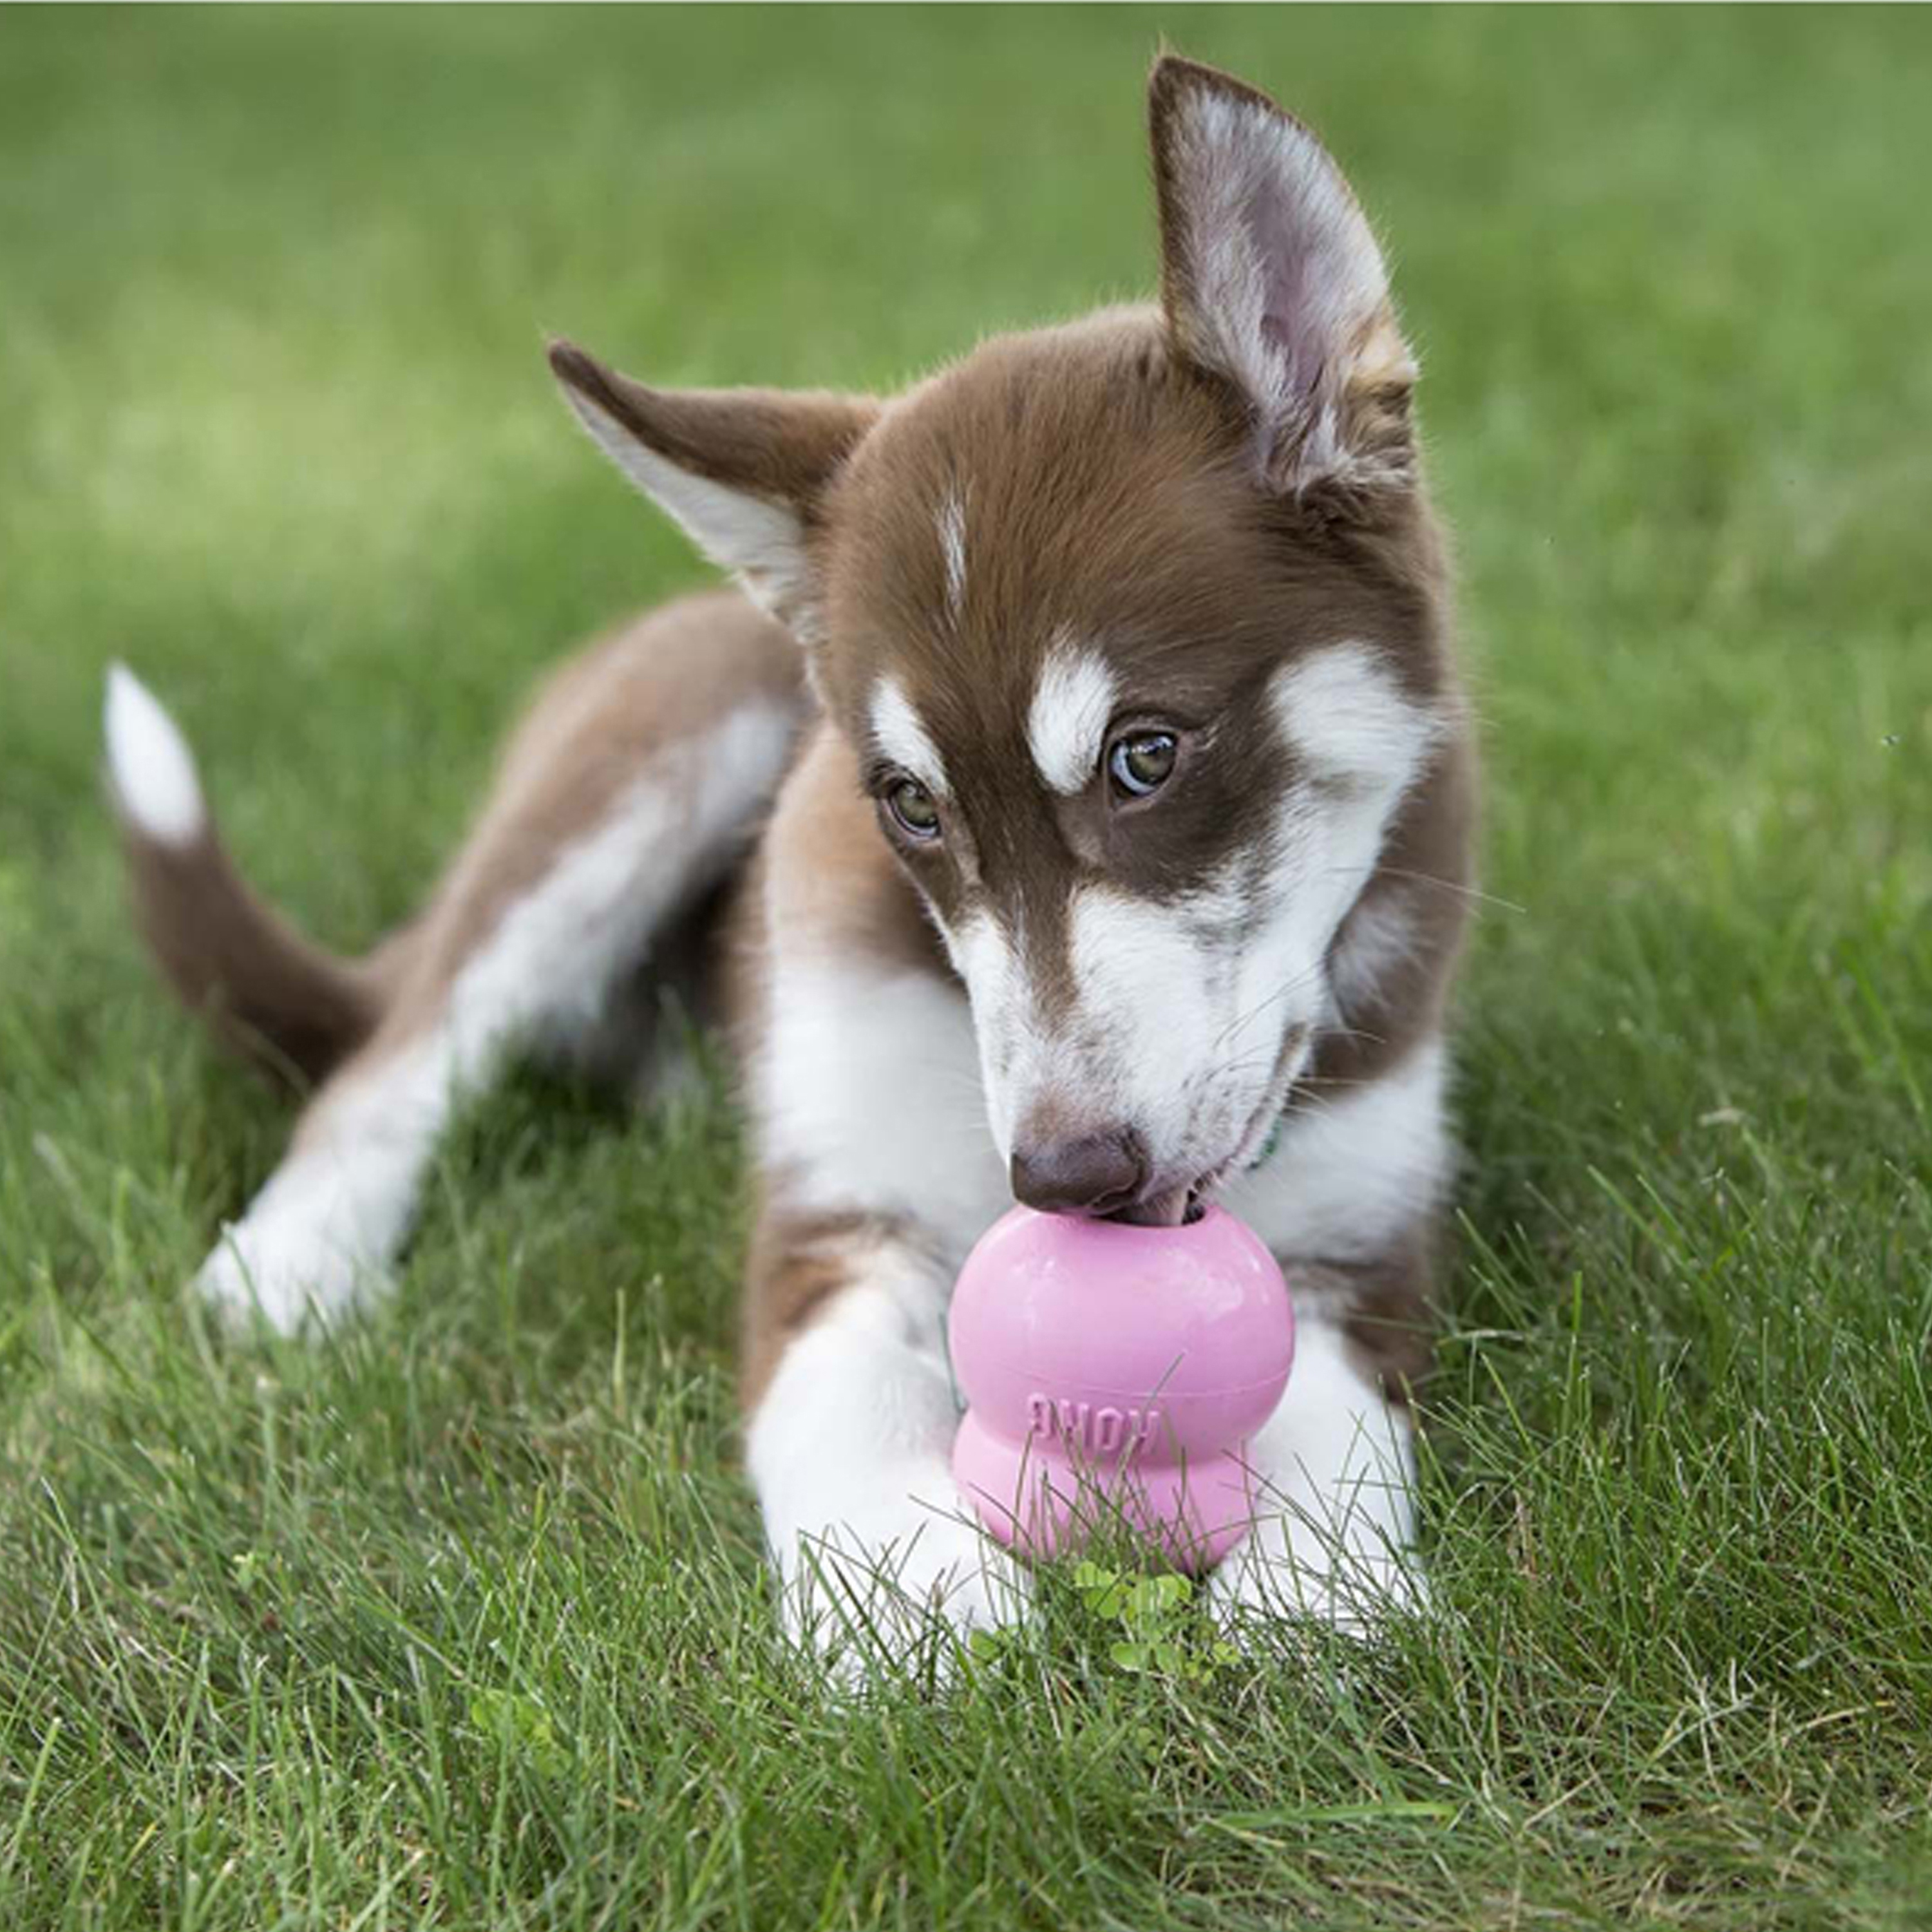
column 1287, row 1570
column 318, row 1237
column 264, row 1265
column 869, row 1593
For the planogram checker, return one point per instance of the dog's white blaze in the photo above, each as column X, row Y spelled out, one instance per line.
column 952, row 525
column 869, row 1098
column 1350, row 1173
column 899, row 735
column 762, row 542
column 338, row 1207
column 850, row 1452
column 1334, row 1466
column 1349, row 721
column 1067, row 723
column 149, row 762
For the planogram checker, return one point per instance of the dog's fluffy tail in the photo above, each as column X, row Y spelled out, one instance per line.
column 286, row 1004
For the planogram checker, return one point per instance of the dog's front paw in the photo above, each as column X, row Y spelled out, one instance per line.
column 868, row 1593
column 280, row 1268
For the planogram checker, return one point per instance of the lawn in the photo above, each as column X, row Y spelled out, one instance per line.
column 458, row 1616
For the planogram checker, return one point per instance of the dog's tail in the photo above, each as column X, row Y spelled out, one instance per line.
column 284, row 1004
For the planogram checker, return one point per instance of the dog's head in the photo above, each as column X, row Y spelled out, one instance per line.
column 1137, row 627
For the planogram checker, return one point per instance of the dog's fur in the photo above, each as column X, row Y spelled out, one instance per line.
column 881, row 803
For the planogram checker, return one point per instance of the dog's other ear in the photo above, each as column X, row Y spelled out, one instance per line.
column 1271, row 279
column 744, row 471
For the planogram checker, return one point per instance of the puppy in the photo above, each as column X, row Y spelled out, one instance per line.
column 1073, row 802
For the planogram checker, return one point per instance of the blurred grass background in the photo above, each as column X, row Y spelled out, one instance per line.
column 457, row 1618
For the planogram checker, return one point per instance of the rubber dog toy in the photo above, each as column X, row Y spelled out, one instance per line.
column 1114, row 1372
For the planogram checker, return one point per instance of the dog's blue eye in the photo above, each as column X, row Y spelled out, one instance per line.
column 1142, row 762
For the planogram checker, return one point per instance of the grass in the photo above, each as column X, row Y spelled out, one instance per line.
column 458, row 1617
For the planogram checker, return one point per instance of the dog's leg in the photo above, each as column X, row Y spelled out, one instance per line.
column 1334, row 1472
column 1349, row 1202
column 538, row 973
column 851, row 1440
column 877, row 1175
column 626, row 796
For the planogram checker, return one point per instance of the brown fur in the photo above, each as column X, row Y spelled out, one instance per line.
column 596, row 726
column 270, row 994
column 798, row 1264
column 783, row 445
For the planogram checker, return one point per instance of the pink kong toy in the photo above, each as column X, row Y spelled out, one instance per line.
column 1114, row 1372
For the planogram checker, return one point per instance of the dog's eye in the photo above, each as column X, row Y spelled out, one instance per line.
column 913, row 810
column 1142, row 762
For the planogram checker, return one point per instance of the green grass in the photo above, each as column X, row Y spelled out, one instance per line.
column 458, row 1617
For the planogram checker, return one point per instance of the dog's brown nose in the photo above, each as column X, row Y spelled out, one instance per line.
column 1095, row 1174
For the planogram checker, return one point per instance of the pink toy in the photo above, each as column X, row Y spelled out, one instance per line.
column 1115, row 1370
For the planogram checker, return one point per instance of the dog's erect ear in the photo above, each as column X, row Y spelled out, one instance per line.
column 744, row 471
column 1271, row 279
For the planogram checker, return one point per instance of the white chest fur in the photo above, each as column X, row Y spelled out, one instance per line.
column 869, row 1098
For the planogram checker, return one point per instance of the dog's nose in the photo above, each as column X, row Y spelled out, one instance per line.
column 1094, row 1173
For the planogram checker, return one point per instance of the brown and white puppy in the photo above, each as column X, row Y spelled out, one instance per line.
column 1092, row 814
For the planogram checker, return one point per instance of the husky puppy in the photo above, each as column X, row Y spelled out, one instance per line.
column 1072, row 803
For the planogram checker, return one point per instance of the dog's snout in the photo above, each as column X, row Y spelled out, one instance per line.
column 1090, row 1174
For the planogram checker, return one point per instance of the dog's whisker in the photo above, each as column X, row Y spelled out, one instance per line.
column 1474, row 894
column 1285, row 992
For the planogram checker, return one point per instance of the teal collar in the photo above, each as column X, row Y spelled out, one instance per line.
column 1269, row 1145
